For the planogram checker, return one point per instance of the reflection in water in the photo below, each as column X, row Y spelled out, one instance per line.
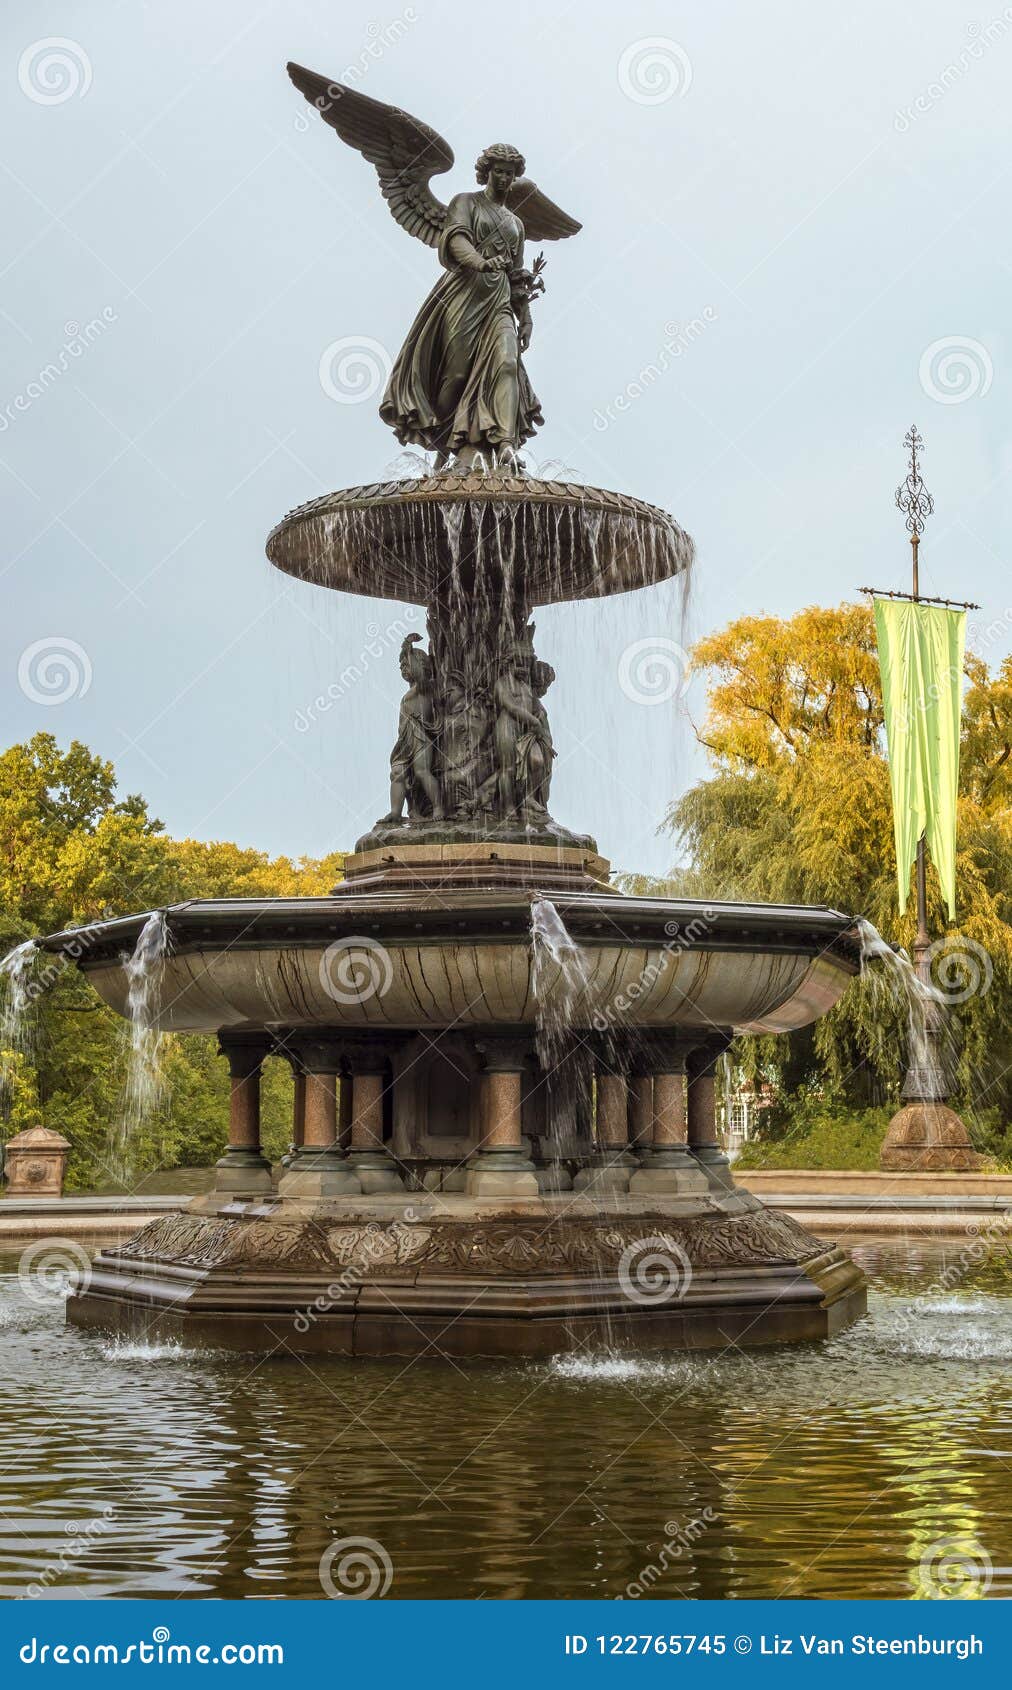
column 854, row 1468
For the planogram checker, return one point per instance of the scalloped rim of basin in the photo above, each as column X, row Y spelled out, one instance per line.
column 809, row 956
column 585, row 559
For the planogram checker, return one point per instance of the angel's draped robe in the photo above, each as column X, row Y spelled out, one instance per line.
column 459, row 379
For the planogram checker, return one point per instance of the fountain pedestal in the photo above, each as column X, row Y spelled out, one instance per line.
column 472, row 1173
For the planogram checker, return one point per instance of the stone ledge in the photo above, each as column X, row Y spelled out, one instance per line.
column 854, row 1183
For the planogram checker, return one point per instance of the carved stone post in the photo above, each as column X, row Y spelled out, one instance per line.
column 612, row 1164
column 244, row 1170
column 701, row 1067
column 665, row 1164
column 318, row 1168
column 641, row 1107
column 298, row 1107
column 367, row 1085
column 501, row 1169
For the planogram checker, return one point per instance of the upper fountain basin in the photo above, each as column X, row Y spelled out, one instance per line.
column 396, row 960
column 533, row 541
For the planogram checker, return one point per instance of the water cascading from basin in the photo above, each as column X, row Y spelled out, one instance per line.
column 563, row 1010
column 16, row 1029
column 144, row 1087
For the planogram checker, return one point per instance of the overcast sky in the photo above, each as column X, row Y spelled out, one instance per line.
column 796, row 241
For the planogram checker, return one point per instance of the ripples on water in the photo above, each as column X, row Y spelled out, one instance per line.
column 142, row 1469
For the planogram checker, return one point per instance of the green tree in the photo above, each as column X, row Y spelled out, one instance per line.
column 72, row 852
column 798, row 810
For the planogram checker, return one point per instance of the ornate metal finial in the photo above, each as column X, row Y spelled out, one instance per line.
column 912, row 497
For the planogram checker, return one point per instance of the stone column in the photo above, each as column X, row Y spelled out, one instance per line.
column 665, row 1164
column 611, row 1166
column 641, row 1109
column 701, row 1069
column 367, row 1084
column 318, row 1168
column 244, row 1170
column 500, row 1168
column 344, row 1088
column 298, row 1108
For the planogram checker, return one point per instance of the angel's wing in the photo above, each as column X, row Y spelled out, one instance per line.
column 542, row 220
column 405, row 151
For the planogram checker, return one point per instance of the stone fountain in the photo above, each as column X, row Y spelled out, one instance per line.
column 504, row 1136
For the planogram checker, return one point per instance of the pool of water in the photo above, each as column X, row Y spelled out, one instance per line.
column 877, row 1464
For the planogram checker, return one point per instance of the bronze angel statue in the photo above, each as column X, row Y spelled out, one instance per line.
column 459, row 387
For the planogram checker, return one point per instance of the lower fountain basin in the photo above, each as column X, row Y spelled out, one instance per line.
column 543, row 541
column 414, row 959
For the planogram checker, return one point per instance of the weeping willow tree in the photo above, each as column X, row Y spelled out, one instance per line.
column 797, row 810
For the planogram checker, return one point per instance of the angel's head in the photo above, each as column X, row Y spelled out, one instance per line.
column 499, row 166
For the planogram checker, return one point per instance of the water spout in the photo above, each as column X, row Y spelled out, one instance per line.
column 15, row 1002
column 923, row 1005
column 144, row 1082
column 562, row 993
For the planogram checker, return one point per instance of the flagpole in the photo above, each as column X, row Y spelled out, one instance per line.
column 925, row 1135
column 916, row 503
column 913, row 498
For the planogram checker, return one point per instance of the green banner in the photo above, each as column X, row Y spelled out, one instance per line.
column 920, row 654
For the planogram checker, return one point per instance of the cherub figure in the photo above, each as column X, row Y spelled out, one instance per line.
column 459, row 387
column 412, row 774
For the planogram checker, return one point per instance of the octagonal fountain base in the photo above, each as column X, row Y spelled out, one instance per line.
column 451, row 1277
column 460, row 1183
